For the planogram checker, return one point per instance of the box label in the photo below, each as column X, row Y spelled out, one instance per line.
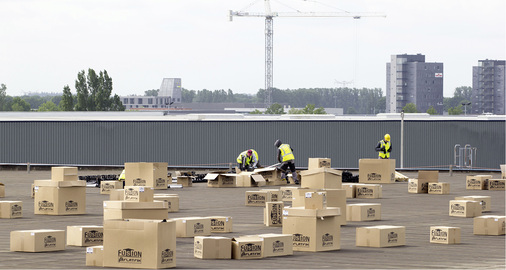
column 300, row 240
column 458, row 209
column 327, row 240
column 371, row 212
column 139, row 182
column 93, row 236
column 49, row 241
column 256, row 199
column 167, row 256
column 438, row 235
column 46, row 206
column 160, row 182
column 198, row 228
column 494, row 184
column 129, row 255
column 278, row 247
column 131, row 194
column 16, row 210
column 373, row 177
column 251, row 250
column 392, row 237
column 365, row 191
column 71, row 206
column 217, row 225
column 107, row 187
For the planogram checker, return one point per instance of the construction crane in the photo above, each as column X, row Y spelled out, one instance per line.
column 269, row 15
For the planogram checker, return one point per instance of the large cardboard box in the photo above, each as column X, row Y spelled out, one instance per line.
column 11, row 209
column 250, row 179
column 138, row 194
column 496, row 184
column 148, row 174
column 444, row 235
column 185, row 181
column 247, row 248
column 37, row 240
column 477, row 181
column 273, row 214
column 64, row 174
column 489, row 225
column 316, row 163
column 376, row 171
column 95, row 256
column 60, row 201
column 484, row 201
column 286, row 193
column 418, row 185
column 351, row 190
column 172, row 201
column 117, row 195
column 85, row 235
column 193, row 226
column 276, row 244
column 368, row 191
column 464, row 208
column 221, row 180
column 363, row 212
column 381, row 236
column 221, row 224
column 107, row 186
column 321, row 178
column 139, row 244
column 212, row 247
column 257, row 198
column 135, row 210
column 439, row 188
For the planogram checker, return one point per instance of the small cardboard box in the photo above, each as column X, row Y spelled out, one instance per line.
column 138, row 194
column 381, row 236
column 321, row 178
column 250, row 179
column 464, row 208
column 368, row 191
column 64, row 174
column 273, row 214
column 439, row 188
column 351, row 190
column 287, row 193
column 212, row 247
column 107, row 186
column 313, row 233
column 95, row 256
column 444, row 235
column 418, row 185
column 85, row 236
column 316, row 163
column 185, row 181
column 257, row 198
column 172, row 201
column 60, row 201
column 247, row 248
column 276, row 244
column 477, row 181
column 376, row 171
column 193, row 226
column 117, row 195
column 37, row 240
column 148, row 174
column 221, row 180
column 489, row 225
column 363, row 212
column 496, row 184
column 221, row 224
column 309, row 199
column 485, row 201
column 11, row 209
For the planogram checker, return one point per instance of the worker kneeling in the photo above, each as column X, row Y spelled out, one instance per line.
column 248, row 160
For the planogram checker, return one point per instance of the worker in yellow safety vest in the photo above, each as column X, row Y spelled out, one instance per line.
column 122, row 176
column 384, row 147
column 248, row 160
column 287, row 160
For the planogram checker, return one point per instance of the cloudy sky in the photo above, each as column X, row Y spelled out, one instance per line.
column 45, row 43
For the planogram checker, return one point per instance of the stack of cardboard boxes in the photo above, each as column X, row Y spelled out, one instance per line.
column 421, row 184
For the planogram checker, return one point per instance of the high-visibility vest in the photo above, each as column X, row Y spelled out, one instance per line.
column 387, row 146
column 286, row 152
column 244, row 154
column 122, row 176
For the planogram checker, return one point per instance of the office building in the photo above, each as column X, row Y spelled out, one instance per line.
column 488, row 95
column 169, row 93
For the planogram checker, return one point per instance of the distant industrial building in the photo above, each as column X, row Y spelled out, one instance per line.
column 170, row 92
column 411, row 80
column 489, row 94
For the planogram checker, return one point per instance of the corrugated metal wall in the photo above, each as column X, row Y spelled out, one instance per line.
column 217, row 143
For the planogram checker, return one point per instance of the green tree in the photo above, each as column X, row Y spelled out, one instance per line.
column 275, row 108
column 187, row 96
column 256, row 111
column 455, row 110
column 432, row 111
column 309, row 109
column 82, row 92
column 152, row 92
column 3, row 95
column 48, row 106
column 20, row 105
column 94, row 92
column 410, row 108
column 67, row 101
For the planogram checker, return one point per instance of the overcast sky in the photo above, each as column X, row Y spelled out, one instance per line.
column 45, row 43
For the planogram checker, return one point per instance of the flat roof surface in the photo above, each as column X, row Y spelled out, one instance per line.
column 417, row 212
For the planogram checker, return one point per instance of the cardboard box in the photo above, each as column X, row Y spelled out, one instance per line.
column 172, row 201
column 193, row 226
column 337, row 198
column 95, row 256
column 107, row 186
column 464, row 208
column 350, row 190
column 275, row 194
column 430, row 176
column 221, row 180
column 250, row 179
column 376, row 171
column 221, row 224
column 444, row 235
column 489, row 225
column 439, row 188
column 257, row 198
column 85, row 236
column 139, row 244
column 247, row 248
column 316, row 163
column 11, row 209
column 148, row 174
column 312, row 233
column 64, row 174
column 321, row 178
column 273, row 214
column 496, row 184
column 286, row 193
column 363, row 212
column 37, row 240
column 381, row 236
column 477, row 181
column 60, row 201
column 276, row 244
column 271, row 175
column 185, row 181
column 138, row 194
column 418, row 185
column 212, row 247
column 309, row 199
column 368, row 191
column 484, row 201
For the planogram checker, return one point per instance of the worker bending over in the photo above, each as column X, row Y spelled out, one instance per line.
column 287, row 160
column 248, row 160
column 384, row 147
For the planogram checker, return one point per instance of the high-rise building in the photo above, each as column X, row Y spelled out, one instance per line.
column 411, row 80
column 169, row 93
column 488, row 95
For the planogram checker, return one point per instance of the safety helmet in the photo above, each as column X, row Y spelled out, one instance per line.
column 387, row 137
column 277, row 143
column 250, row 152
